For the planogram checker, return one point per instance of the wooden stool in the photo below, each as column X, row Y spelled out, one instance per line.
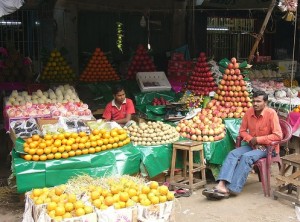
column 188, row 147
column 287, row 183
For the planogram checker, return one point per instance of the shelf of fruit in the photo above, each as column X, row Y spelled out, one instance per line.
column 202, row 82
column 85, row 198
column 232, row 92
column 141, row 62
column 190, row 100
column 48, row 147
column 99, row 69
column 206, row 126
column 56, row 69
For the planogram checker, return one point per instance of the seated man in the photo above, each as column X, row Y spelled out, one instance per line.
column 260, row 126
column 120, row 108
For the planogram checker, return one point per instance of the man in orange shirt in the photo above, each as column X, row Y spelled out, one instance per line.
column 120, row 108
column 260, row 126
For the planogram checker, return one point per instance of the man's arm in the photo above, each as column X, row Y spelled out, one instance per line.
column 276, row 134
column 125, row 120
column 244, row 130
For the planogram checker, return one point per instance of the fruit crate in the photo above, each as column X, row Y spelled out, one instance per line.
column 153, row 81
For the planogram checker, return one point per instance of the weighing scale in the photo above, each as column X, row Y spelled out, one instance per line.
column 175, row 111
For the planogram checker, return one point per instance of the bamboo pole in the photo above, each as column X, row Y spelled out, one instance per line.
column 262, row 30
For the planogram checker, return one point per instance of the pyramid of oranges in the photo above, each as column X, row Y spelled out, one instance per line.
column 67, row 145
column 57, row 69
column 98, row 69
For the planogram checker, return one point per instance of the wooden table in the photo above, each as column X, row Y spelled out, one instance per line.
column 286, row 184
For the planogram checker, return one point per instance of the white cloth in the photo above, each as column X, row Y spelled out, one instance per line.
column 9, row 6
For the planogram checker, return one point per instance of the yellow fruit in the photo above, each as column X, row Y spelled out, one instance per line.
column 108, row 201
column 59, row 211
column 80, row 212
column 163, row 190
column 57, row 155
column 67, row 215
column 88, row 209
column 170, row 196
column 154, row 185
column 162, row 199
column 78, row 204
column 145, row 189
column 97, row 203
column 124, row 196
column 69, row 206
column 28, row 157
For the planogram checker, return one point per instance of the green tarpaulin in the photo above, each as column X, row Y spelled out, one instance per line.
column 125, row 160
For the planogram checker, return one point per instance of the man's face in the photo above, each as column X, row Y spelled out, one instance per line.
column 120, row 96
column 258, row 103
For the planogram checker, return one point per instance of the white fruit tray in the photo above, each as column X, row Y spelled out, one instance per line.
column 153, row 81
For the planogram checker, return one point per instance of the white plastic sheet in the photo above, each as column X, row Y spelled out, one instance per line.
column 9, row 6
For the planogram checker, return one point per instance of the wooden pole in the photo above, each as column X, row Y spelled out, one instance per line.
column 262, row 30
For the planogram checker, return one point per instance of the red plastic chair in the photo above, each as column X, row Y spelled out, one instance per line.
column 264, row 164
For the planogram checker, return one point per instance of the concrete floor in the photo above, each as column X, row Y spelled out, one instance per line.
column 249, row 206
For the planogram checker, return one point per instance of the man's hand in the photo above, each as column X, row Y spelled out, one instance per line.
column 253, row 141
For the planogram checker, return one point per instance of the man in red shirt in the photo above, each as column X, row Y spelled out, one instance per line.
column 120, row 108
column 260, row 126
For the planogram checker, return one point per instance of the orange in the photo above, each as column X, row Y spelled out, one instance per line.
column 111, row 140
column 47, row 137
column 70, row 141
column 57, row 155
column 109, row 200
column 68, row 148
column 54, row 149
column 116, row 139
column 49, row 142
column 79, row 212
column 106, row 135
column 163, row 190
column 59, row 211
column 78, row 152
column 65, row 155
column 95, row 195
column 60, row 136
column 93, row 144
column 113, row 133
column 105, row 141
column 88, row 144
column 32, row 145
column 67, row 135
column 103, row 147
column 92, row 138
column 42, row 145
column 92, row 150
column 109, row 146
column 114, row 145
column 50, row 156
column 97, row 203
column 35, row 137
column 54, row 137
column 81, row 145
column 88, row 209
column 145, row 189
column 51, row 206
column 64, row 141
column 132, row 192
column 47, row 150
column 82, row 134
column 67, row 215
column 28, row 157
column 83, row 140
column 57, row 143
column 72, row 198
column 114, row 189
column 69, row 206
column 85, row 151
column 120, row 144
column 29, row 140
column 99, row 142
column 74, row 135
column 39, row 152
column 102, row 131
column 78, row 204
column 154, row 185
column 26, row 149
column 97, row 149
column 43, row 157
column 96, row 132
column 36, row 157
column 61, row 149
column 72, row 153
column 121, row 131
column 124, row 196
column 74, row 146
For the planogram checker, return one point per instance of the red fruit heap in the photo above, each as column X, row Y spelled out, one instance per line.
column 232, row 95
column 201, row 81
column 98, row 69
column 203, row 127
column 160, row 101
column 141, row 62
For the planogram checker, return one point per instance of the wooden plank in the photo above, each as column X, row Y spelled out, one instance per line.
column 287, row 180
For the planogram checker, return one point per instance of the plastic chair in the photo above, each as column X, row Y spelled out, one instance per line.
column 264, row 164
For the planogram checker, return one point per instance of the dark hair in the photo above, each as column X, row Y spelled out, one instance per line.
column 261, row 93
column 117, row 88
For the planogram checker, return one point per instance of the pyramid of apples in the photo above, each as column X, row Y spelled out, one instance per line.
column 201, row 82
column 232, row 96
column 205, row 126
column 57, row 69
column 98, row 69
column 141, row 62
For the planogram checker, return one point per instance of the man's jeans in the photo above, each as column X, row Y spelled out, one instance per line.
column 237, row 165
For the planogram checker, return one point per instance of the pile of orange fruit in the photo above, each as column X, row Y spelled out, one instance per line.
column 57, row 69
column 98, row 69
column 67, row 145
column 127, row 193
column 60, row 205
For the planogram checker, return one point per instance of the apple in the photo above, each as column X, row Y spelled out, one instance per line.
column 246, row 93
column 237, row 72
column 234, row 77
column 193, row 137
column 233, row 60
column 244, row 88
column 238, row 88
column 227, row 71
column 205, row 138
column 199, row 138
column 237, row 115
column 230, row 93
column 222, row 82
column 211, row 139
column 231, row 71
column 229, row 77
column 225, row 77
column 230, row 66
column 230, row 115
column 236, row 65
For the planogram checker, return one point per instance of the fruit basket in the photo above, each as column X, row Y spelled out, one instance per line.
column 153, row 81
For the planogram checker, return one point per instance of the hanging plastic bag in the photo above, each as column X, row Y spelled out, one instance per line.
column 9, row 6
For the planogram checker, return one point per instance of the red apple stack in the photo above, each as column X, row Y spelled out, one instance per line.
column 201, row 81
column 205, row 126
column 141, row 62
column 232, row 92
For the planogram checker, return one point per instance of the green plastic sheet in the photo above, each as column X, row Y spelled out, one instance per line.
column 232, row 126
column 31, row 174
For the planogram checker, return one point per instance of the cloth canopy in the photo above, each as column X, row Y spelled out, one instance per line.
column 9, row 6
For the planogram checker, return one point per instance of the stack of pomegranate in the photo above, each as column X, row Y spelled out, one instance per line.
column 98, row 69
column 141, row 62
column 201, row 81
column 232, row 93
column 205, row 126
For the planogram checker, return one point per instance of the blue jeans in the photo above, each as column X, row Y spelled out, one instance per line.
column 237, row 166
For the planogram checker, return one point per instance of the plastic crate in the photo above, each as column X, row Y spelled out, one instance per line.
column 153, row 81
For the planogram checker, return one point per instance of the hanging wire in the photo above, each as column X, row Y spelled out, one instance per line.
column 293, row 56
